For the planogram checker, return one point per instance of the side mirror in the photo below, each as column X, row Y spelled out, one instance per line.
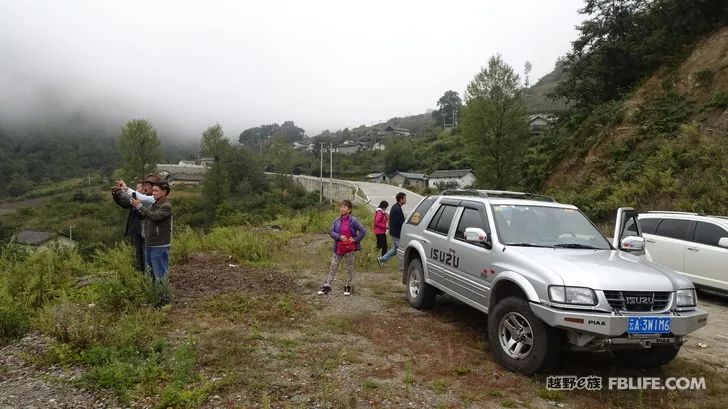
column 475, row 235
column 723, row 242
column 632, row 243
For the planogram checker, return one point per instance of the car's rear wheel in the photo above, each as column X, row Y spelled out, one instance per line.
column 519, row 340
column 654, row 357
column 419, row 294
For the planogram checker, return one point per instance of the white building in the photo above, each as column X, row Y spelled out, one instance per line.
column 463, row 177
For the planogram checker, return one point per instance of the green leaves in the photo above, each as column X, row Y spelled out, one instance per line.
column 139, row 145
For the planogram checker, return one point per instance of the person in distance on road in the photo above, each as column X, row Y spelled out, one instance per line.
column 381, row 218
column 396, row 220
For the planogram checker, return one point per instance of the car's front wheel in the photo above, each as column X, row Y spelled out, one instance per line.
column 519, row 340
column 654, row 357
column 419, row 294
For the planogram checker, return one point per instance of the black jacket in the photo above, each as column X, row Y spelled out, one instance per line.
column 133, row 219
column 396, row 220
column 158, row 223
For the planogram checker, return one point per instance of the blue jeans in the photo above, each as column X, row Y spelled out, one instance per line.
column 158, row 259
column 393, row 251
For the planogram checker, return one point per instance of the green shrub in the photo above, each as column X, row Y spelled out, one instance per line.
column 719, row 100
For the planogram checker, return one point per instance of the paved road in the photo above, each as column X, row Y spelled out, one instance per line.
column 376, row 192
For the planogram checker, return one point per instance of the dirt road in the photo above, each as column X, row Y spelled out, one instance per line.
column 266, row 339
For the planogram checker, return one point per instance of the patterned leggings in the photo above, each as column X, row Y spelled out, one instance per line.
column 348, row 260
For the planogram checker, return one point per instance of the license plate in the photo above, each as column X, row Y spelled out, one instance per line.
column 648, row 325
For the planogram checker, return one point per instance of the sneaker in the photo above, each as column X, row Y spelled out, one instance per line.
column 347, row 290
column 380, row 262
column 324, row 290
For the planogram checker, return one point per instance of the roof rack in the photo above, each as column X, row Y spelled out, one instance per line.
column 497, row 194
column 676, row 212
column 689, row 214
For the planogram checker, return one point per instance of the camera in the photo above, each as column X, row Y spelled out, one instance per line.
column 133, row 195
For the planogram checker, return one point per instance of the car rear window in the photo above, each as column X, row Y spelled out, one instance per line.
column 442, row 220
column 649, row 225
column 708, row 233
column 416, row 216
column 673, row 228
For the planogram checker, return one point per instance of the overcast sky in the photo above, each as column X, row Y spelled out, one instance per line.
column 323, row 64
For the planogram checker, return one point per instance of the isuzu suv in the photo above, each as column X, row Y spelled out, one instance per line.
column 547, row 278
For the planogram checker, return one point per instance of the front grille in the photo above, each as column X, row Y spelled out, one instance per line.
column 638, row 301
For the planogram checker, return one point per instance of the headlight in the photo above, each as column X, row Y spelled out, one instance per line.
column 572, row 295
column 687, row 298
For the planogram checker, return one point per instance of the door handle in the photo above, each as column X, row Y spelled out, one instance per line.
column 693, row 249
column 649, row 241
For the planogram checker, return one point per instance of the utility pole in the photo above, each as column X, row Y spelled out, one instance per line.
column 331, row 173
column 321, row 175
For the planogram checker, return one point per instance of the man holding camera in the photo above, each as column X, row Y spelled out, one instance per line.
column 157, row 229
column 134, row 220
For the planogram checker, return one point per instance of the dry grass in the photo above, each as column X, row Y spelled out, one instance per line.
column 291, row 348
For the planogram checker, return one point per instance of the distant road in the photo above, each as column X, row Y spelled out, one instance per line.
column 376, row 192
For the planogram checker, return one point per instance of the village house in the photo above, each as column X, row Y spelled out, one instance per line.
column 38, row 239
column 348, row 147
column 182, row 172
column 461, row 177
column 408, row 179
column 538, row 123
column 376, row 178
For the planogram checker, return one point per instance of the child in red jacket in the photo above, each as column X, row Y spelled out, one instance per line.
column 381, row 219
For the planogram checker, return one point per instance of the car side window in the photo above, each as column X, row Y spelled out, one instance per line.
column 416, row 216
column 673, row 228
column 440, row 223
column 649, row 225
column 470, row 218
column 708, row 233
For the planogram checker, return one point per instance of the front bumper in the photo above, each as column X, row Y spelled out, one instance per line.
column 612, row 324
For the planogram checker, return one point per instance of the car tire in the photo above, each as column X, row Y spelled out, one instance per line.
column 419, row 294
column 650, row 358
column 510, row 323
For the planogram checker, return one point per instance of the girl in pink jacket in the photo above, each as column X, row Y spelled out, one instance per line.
column 381, row 218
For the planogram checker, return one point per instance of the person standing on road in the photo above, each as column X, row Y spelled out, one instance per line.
column 347, row 233
column 396, row 220
column 380, row 226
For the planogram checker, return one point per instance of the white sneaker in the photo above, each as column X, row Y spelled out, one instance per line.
column 324, row 290
column 347, row 290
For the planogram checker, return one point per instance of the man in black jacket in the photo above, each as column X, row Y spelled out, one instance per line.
column 396, row 220
column 134, row 228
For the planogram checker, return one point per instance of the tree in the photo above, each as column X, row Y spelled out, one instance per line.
column 622, row 42
column 139, row 146
column 494, row 122
column 527, row 67
column 214, row 143
column 449, row 106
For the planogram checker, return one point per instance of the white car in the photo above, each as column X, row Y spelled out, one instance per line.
column 693, row 244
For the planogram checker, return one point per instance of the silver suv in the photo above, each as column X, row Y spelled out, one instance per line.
column 547, row 278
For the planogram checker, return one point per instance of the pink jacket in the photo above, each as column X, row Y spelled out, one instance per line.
column 380, row 221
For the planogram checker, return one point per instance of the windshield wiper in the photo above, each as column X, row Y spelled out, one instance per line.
column 525, row 245
column 576, row 246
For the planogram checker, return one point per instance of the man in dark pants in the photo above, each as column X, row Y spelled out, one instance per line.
column 134, row 228
column 396, row 220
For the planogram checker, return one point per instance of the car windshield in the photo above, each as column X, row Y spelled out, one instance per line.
column 541, row 226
